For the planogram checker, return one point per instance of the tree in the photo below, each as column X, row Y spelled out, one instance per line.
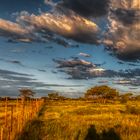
column 56, row 96
column 26, row 93
column 137, row 97
column 102, row 91
column 53, row 95
column 125, row 97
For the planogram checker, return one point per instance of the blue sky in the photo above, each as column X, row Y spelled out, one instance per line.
column 44, row 63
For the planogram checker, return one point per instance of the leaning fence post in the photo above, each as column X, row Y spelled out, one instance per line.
column 11, row 127
column 1, row 134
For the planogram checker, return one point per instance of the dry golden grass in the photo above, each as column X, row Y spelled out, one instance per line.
column 14, row 115
column 69, row 119
column 76, row 120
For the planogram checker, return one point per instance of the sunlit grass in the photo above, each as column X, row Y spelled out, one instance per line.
column 72, row 119
column 64, row 120
column 14, row 115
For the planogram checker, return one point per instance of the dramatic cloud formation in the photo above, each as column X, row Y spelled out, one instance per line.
column 73, row 19
column 124, row 31
column 44, row 27
column 72, row 26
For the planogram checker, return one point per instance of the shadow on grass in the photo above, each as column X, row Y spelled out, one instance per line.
column 105, row 135
column 33, row 130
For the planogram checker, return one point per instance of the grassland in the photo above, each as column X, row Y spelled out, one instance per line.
column 84, row 120
column 14, row 115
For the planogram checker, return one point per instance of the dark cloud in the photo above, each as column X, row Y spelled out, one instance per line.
column 133, row 64
column 78, row 68
column 16, row 77
column 81, row 69
column 127, row 16
column 68, row 20
column 15, row 62
column 103, row 82
column 87, row 8
column 73, row 63
column 6, row 72
column 60, row 85
column 123, row 37
column 133, row 82
column 41, row 70
column 130, row 56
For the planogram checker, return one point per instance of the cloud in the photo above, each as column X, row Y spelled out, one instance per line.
column 16, row 62
column 47, row 26
column 11, row 28
column 50, row 2
column 84, row 54
column 73, row 63
column 70, row 26
column 133, row 82
column 127, row 16
column 81, row 69
column 73, row 19
column 15, row 31
column 125, row 4
column 6, row 72
column 11, row 82
column 88, row 8
column 123, row 36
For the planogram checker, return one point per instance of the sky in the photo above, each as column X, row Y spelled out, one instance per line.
column 69, row 46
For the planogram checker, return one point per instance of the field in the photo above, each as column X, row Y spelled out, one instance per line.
column 14, row 114
column 84, row 120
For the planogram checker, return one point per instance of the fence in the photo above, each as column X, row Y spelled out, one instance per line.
column 14, row 114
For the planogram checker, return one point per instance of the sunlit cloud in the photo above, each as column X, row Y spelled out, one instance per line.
column 124, row 29
column 70, row 26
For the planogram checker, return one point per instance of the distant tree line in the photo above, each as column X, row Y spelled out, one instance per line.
column 101, row 93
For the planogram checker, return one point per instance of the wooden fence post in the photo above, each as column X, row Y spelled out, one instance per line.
column 1, row 134
column 11, row 119
column 6, row 106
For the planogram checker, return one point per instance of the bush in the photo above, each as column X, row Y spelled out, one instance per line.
column 132, row 109
column 126, row 97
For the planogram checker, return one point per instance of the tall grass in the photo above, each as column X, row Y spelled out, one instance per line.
column 14, row 114
column 71, row 120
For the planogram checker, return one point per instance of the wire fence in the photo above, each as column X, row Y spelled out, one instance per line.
column 14, row 114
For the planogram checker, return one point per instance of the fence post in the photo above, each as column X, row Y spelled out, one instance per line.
column 11, row 126
column 6, row 105
column 1, row 134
